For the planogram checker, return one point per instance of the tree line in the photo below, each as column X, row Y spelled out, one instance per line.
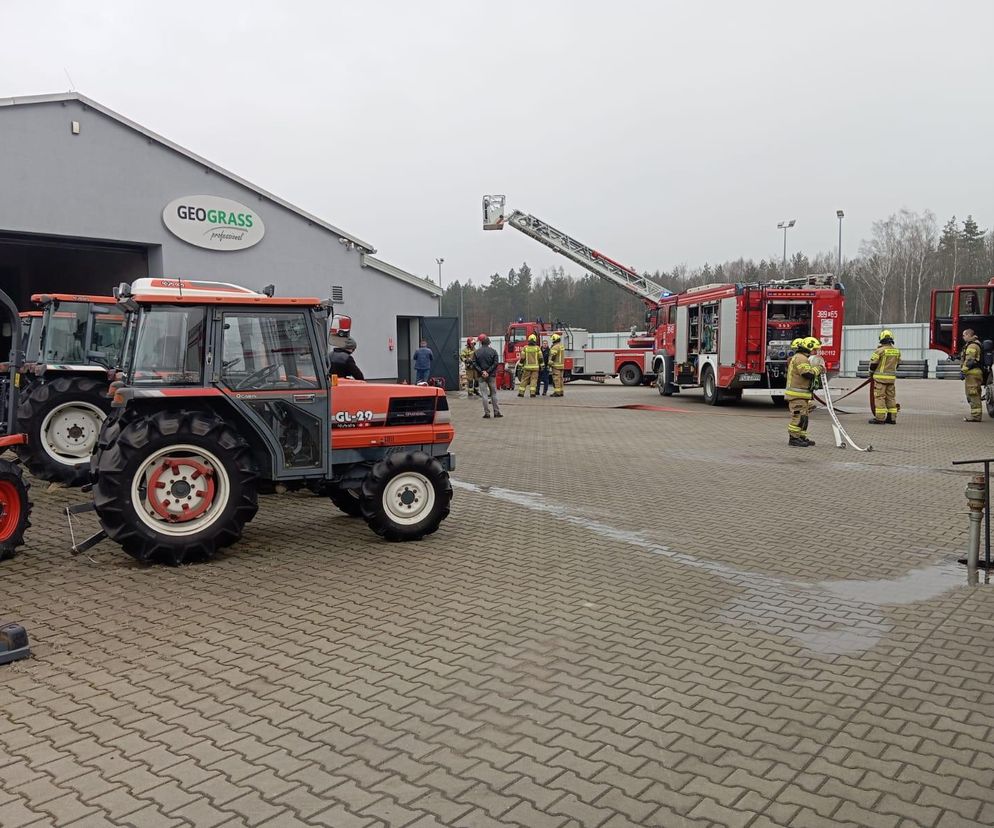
column 890, row 280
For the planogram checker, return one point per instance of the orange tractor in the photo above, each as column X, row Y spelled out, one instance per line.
column 224, row 393
column 15, row 508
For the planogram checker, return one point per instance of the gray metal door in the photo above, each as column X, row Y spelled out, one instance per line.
column 442, row 334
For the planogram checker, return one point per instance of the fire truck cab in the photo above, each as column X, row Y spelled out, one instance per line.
column 734, row 339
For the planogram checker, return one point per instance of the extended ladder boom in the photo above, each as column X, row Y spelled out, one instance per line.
column 597, row 263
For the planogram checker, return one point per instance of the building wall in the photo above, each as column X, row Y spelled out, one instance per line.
column 112, row 183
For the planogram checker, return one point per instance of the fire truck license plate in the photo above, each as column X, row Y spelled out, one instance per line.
column 749, row 377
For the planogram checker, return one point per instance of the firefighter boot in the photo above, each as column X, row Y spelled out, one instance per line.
column 891, row 419
column 799, row 442
column 804, row 430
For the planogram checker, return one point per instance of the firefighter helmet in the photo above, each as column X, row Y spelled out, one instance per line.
column 469, row 341
column 885, row 335
column 556, row 337
column 532, row 338
column 796, row 344
column 811, row 344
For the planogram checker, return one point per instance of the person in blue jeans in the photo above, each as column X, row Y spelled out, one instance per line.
column 422, row 362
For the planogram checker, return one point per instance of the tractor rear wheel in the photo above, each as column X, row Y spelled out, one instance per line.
column 406, row 496
column 62, row 419
column 15, row 508
column 346, row 499
column 175, row 484
column 630, row 374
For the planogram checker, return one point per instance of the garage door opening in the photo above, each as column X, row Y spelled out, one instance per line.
column 51, row 264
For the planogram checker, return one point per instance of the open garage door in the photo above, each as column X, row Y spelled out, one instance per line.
column 54, row 264
column 442, row 334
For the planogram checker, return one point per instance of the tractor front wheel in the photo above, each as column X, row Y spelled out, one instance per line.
column 406, row 496
column 15, row 508
column 175, row 484
column 346, row 499
column 62, row 419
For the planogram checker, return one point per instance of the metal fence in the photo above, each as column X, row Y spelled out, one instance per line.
column 858, row 342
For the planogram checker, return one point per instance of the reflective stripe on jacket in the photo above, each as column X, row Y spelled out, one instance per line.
column 972, row 353
column 556, row 355
column 884, row 362
column 531, row 355
column 466, row 355
column 801, row 375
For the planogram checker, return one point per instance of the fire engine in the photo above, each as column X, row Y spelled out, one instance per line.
column 955, row 309
column 633, row 364
column 728, row 339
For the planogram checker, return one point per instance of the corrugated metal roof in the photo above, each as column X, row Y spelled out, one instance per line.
column 82, row 99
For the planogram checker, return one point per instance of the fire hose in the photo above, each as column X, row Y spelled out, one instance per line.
column 842, row 437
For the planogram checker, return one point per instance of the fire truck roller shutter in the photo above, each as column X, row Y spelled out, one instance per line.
column 727, row 331
column 681, row 333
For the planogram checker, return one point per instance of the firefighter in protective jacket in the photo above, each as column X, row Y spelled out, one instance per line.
column 972, row 371
column 801, row 376
column 531, row 356
column 883, row 369
column 466, row 355
column 556, row 364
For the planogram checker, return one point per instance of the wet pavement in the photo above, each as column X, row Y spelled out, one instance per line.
column 642, row 611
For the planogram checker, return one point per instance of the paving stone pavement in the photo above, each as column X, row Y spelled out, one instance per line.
column 632, row 617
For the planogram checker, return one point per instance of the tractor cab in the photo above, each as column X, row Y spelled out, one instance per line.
column 224, row 393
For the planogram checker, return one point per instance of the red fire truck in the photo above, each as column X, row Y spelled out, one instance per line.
column 729, row 339
column 954, row 310
column 734, row 339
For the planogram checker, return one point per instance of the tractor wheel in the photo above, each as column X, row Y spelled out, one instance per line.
column 712, row 393
column 347, row 500
column 15, row 508
column 62, row 419
column 406, row 496
column 175, row 484
column 630, row 374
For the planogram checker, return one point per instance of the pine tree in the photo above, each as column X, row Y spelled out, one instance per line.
column 948, row 251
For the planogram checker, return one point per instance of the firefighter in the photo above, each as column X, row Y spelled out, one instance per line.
column 531, row 356
column 466, row 355
column 972, row 371
column 556, row 364
column 801, row 376
column 883, row 369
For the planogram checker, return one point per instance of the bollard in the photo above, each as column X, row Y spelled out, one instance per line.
column 975, row 498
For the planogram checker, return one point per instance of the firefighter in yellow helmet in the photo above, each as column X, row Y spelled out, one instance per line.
column 557, row 364
column 801, row 376
column 531, row 356
column 972, row 370
column 883, row 370
column 466, row 355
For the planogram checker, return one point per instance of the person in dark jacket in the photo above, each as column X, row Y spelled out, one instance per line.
column 422, row 362
column 543, row 370
column 343, row 364
column 486, row 361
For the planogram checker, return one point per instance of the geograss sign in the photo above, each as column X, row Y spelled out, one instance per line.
column 214, row 223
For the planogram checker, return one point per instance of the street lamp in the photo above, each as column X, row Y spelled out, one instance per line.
column 439, row 263
column 785, row 226
column 840, row 215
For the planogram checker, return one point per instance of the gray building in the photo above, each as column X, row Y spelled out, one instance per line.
column 89, row 199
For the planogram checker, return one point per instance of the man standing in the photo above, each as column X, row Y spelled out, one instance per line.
column 422, row 362
column 466, row 355
column 972, row 371
column 556, row 363
column 883, row 369
column 485, row 360
column 543, row 369
column 801, row 376
column 530, row 357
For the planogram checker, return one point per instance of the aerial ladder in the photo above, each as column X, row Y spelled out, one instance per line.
column 494, row 218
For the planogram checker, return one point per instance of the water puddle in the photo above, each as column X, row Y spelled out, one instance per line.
column 829, row 617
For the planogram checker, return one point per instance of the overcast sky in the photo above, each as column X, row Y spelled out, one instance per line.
column 658, row 132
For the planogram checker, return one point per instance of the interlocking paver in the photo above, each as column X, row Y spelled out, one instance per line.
column 640, row 643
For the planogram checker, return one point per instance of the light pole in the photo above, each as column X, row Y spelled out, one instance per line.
column 460, row 311
column 785, row 226
column 439, row 263
column 840, row 215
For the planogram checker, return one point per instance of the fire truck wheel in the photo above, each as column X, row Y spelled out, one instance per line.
column 406, row 496
column 62, row 419
column 664, row 378
column 779, row 401
column 175, row 484
column 15, row 508
column 630, row 374
column 712, row 393
column 347, row 500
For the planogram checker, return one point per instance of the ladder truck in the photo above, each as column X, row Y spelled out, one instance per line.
column 730, row 340
column 634, row 365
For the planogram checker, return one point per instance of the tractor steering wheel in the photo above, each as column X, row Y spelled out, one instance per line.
column 256, row 377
